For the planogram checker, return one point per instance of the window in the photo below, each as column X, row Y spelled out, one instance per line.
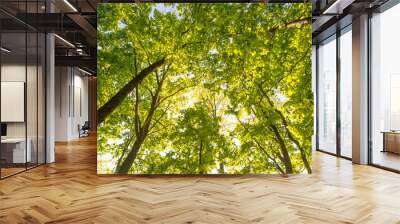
column 327, row 95
column 22, row 77
column 385, row 89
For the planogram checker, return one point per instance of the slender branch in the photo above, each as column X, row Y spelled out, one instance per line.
column 269, row 156
column 262, row 149
column 157, row 78
column 149, row 90
column 153, row 107
column 137, row 117
column 144, row 49
column 135, row 62
column 126, row 146
column 290, row 73
column 291, row 24
column 190, row 43
column 163, row 127
column 303, row 21
column 162, row 99
column 157, row 120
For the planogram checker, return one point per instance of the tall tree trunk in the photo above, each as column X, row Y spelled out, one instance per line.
column 289, row 133
column 221, row 168
column 284, row 150
column 297, row 143
column 127, row 163
column 200, row 157
column 142, row 131
column 117, row 99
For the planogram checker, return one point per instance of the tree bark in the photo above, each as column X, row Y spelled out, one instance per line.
column 127, row 163
column 143, row 132
column 221, row 168
column 276, row 164
column 200, row 154
column 284, row 150
column 289, row 133
column 294, row 23
column 117, row 99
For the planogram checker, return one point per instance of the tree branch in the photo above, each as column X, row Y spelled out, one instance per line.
column 289, row 133
column 137, row 117
column 127, row 143
column 162, row 99
column 269, row 156
column 157, row 120
column 117, row 99
column 281, row 143
column 263, row 149
column 293, row 23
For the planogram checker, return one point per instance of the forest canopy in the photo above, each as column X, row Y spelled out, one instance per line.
column 204, row 88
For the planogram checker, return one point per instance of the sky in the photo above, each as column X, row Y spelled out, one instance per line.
column 161, row 7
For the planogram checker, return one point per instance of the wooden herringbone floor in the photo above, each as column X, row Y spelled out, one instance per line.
column 69, row 191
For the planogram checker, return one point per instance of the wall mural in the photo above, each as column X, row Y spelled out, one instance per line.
column 204, row 88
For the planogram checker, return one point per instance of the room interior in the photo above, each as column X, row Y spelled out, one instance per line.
column 22, row 102
column 34, row 113
column 336, row 83
column 385, row 88
column 48, row 92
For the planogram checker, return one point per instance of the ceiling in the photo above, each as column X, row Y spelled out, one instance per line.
column 73, row 21
column 332, row 15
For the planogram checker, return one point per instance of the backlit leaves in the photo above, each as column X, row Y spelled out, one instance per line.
column 233, row 74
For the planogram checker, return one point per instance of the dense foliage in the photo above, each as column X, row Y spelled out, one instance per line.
column 230, row 93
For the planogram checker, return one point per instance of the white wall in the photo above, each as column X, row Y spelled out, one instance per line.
column 33, row 127
column 80, row 94
column 62, row 81
column 17, row 73
column 14, row 72
column 70, row 84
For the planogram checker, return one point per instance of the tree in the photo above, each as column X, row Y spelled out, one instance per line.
column 205, row 88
